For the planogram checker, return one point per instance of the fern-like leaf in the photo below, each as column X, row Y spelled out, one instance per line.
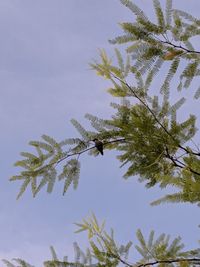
column 168, row 12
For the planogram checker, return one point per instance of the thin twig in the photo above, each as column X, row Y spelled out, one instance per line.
column 180, row 47
column 189, row 260
column 78, row 154
column 162, row 126
column 154, row 116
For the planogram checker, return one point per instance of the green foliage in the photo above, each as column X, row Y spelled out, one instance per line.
column 161, row 248
column 153, row 137
column 148, row 40
column 20, row 263
column 145, row 131
column 104, row 251
column 153, row 143
column 40, row 169
column 168, row 12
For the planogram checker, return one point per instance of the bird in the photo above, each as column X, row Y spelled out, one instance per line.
column 98, row 145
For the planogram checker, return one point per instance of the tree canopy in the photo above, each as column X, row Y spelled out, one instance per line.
column 155, row 144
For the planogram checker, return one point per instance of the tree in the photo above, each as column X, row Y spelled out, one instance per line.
column 152, row 142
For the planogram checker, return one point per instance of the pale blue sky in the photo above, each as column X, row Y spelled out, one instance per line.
column 45, row 80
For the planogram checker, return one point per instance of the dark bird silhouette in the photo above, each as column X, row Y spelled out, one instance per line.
column 98, row 145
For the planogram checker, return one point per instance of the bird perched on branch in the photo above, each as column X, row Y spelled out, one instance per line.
column 98, row 145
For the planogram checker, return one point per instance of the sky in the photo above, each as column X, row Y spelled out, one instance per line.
column 45, row 80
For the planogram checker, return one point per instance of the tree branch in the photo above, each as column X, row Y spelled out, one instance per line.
column 145, row 104
column 189, row 260
column 179, row 47
column 78, row 153
column 157, row 120
column 176, row 162
column 85, row 150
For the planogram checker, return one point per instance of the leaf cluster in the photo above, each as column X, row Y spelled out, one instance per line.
column 153, row 144
column 150, row 44
column 104, row 251
column 40, row 168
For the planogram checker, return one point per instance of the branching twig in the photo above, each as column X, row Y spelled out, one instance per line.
column 77, row 153
column 167, row 42
column 147, row 107
column 176, row 163
column 179, row 47
column 87, row 149
column 174, row 160
column 157, row 120
column 189, row 260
